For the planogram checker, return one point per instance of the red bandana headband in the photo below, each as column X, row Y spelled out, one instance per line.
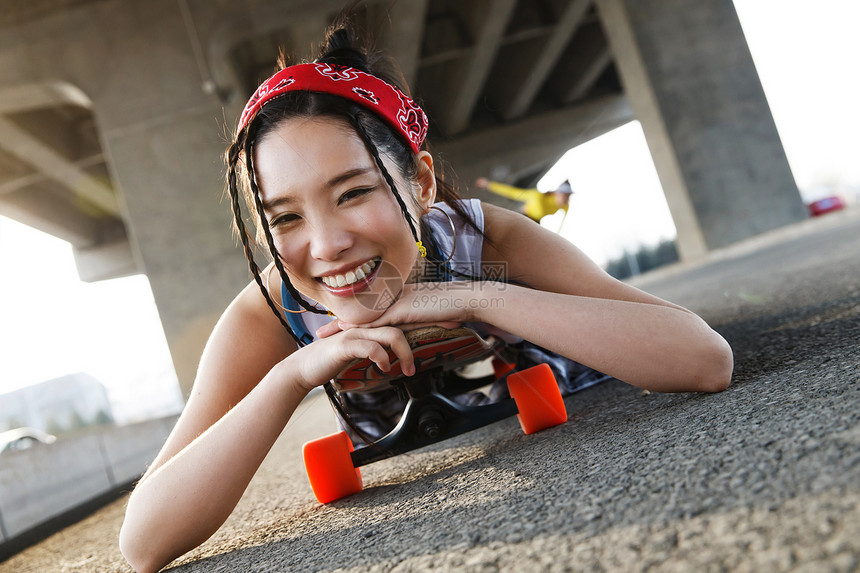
column 385, row 100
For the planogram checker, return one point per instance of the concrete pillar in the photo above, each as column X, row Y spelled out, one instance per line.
column 163, row 139
column 691, row 81
column 165, row 148
column 170, row 174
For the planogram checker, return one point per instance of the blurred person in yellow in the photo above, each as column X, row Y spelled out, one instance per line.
column 536, row 204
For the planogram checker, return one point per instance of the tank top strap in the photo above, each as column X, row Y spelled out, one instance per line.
column 467, row 243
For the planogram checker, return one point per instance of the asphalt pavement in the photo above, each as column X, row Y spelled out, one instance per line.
column 762, row 477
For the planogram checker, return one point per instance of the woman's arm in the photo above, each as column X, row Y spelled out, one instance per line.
column 573, row 307
column 241, row 400
column 250, row 381
column 648, row 345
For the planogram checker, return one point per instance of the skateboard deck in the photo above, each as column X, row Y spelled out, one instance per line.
column 433, row 348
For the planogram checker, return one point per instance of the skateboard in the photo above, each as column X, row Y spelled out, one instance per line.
column 430, row 414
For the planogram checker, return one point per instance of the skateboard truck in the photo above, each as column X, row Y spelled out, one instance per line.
column 428, row 417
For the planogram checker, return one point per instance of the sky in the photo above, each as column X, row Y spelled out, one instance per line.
column 51, row 324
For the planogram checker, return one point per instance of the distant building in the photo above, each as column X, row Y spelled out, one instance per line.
column 57, row 406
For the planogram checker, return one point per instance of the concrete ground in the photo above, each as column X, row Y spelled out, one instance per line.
column 762, row 477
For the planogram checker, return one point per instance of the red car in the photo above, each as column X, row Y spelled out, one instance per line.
column 826, row 205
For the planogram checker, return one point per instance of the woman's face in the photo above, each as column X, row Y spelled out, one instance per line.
column 336, row 224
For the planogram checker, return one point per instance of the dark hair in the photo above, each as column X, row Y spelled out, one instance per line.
column 343, row 46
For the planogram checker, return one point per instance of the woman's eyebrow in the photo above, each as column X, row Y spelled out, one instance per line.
column 349, row 174
column 336, row 180
column 274, row 203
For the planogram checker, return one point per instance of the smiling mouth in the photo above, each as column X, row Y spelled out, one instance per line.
column 349, row 278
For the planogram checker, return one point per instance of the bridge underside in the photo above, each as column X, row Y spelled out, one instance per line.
column 112, row 114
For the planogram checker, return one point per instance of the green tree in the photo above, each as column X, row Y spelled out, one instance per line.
column 648, row 258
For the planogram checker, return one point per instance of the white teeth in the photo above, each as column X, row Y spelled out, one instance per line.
column 350, row 277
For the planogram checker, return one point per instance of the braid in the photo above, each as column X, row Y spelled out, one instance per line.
column 267, row 232
column 232, row 160
column 244, row 140
column 233, row 157
column 368, row 142
column 376, row 157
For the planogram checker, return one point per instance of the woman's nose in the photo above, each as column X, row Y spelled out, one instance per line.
column 328, row 241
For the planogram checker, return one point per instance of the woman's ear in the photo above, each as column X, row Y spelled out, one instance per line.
column 426, row 194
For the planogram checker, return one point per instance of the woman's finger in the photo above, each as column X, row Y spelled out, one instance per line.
column 372, row 350
column 409, row 325
column 392, row 338
column 400, row 347
column 443, row 324
column 328, row 329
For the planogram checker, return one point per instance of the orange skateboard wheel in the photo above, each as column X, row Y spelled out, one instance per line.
column 538, row 398
column 329, row 467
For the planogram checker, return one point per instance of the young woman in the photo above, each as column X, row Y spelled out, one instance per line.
column 370, row 243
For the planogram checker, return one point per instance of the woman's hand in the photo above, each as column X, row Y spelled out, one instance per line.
column 324, row 359
column 447, row 304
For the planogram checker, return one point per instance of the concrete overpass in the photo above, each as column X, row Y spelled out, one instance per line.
column 113, row 115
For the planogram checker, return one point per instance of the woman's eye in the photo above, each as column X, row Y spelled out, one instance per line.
column 355, row 193
column 281, row 220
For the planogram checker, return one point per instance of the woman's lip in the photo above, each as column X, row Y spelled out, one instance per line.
column 354, row 288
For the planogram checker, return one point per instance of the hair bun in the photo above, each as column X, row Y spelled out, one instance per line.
column 341, row 48
column 348, row 44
